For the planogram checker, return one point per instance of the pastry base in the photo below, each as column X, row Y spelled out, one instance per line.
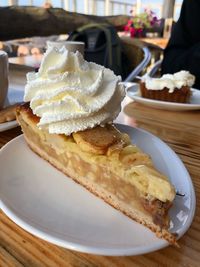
column 94, row 173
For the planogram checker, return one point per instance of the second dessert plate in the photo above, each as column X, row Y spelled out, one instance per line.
column 15, row 95
column 133, row 92
column 8, row 125
column 70, row 216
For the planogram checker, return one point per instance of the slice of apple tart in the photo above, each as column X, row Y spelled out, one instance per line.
column 104, row 161
column 68, row 101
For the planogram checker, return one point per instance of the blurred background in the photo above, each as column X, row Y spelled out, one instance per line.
column 106, row 7
column 144, row 28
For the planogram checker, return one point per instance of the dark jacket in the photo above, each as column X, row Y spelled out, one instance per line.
column 183, row 49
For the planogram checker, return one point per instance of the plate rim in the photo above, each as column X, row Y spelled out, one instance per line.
column 4, row 126
column 89, row 249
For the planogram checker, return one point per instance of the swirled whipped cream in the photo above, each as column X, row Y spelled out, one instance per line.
column 70, row 94
column 170, row 81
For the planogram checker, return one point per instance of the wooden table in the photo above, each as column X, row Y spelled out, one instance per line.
column 181, row 131
column 156, row 42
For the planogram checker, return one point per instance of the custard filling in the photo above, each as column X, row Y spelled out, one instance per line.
column 111, row 171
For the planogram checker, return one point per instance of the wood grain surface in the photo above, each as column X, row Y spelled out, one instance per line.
column 181, row 131
column 156, row 42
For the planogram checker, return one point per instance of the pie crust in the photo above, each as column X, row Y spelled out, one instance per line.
column 100, row 164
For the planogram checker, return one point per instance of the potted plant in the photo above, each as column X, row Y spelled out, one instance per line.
column 138, row 24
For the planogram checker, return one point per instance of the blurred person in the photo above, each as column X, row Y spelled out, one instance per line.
column 22, row 51
column 183, row 49
column 35, row 51
column 47, row 4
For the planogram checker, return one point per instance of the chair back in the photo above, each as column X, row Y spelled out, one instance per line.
column 139, row 57
column 155, row 68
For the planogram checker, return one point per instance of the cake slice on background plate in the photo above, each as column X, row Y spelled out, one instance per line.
column 169, row 87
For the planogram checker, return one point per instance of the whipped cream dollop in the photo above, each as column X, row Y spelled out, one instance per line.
column 170, row 81
column 70, row 94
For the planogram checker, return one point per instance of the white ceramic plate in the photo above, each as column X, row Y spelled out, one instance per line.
column 8, row 125
column 44, row 202
column 14, row 96
column 133, row 92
